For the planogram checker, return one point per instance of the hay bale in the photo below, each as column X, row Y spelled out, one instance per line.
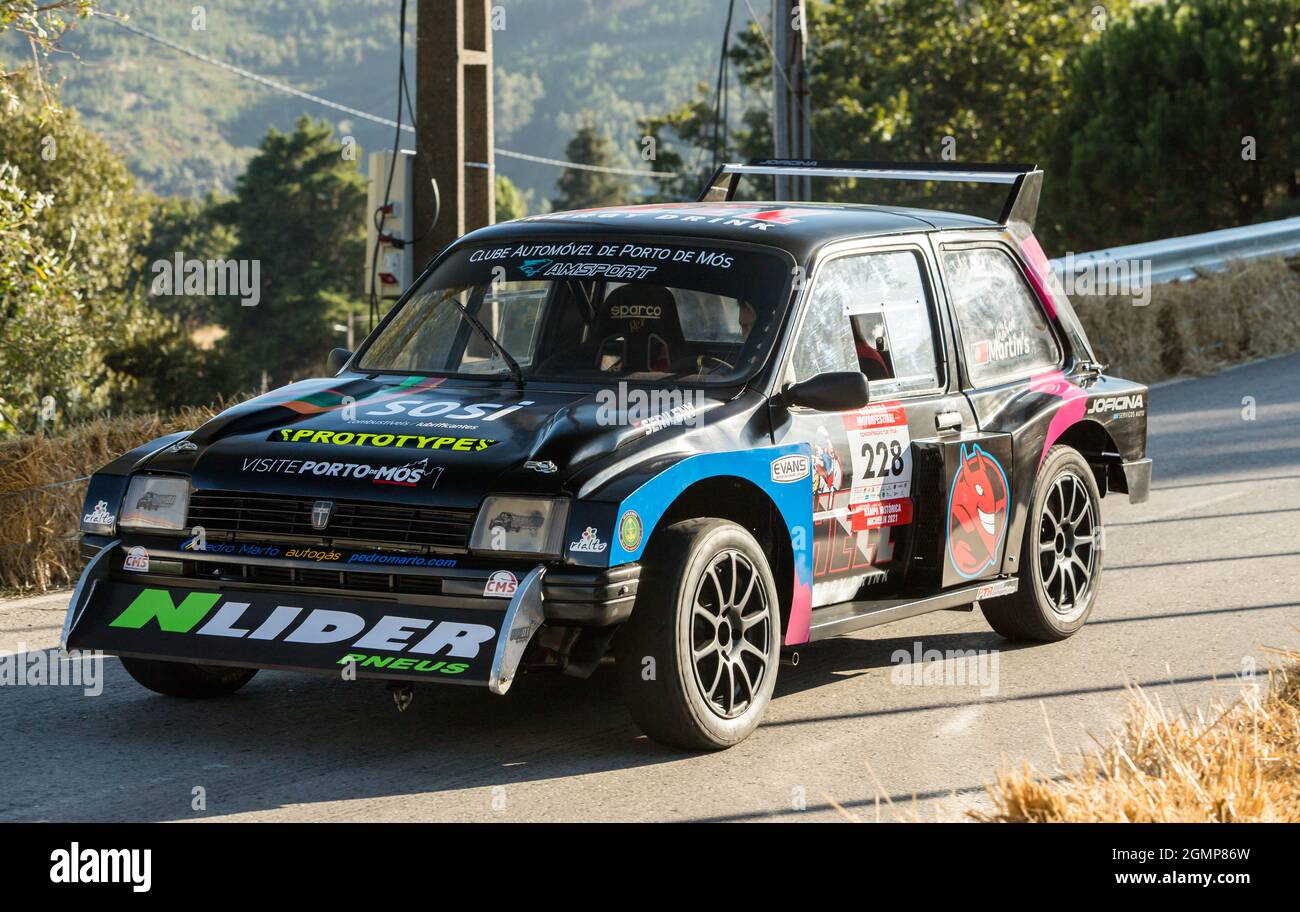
column 40, row 494
column 1249, row 311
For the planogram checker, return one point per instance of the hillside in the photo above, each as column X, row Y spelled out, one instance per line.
column 187, row 127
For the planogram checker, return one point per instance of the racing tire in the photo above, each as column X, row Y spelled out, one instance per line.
column 697, row 660
column 184, row 679
column 1060, row 555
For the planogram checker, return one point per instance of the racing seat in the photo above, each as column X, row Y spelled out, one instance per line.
column 639, row 330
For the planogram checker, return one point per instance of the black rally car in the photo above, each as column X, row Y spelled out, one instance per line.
column 689, row 436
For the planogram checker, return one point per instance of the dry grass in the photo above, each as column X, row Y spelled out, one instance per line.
column 1234, row 763
column 39, row 512
column 1250, row 311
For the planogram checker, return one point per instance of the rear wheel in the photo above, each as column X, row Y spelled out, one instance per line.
column 697, row 660
column 1060, row 556
column 183, row 679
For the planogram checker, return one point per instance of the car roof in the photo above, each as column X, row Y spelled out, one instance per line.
column 797, row 227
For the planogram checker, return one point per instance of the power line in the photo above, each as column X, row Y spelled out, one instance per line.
column 374, row 118
column 780, row 69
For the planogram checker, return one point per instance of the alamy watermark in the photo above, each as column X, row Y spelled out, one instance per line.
column 651, row 409
column 946, row 668
column 46, row 667
column 1120, row 278
column 209, row 278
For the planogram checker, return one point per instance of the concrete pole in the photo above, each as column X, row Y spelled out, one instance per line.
column 453, row 101
column 792, row 131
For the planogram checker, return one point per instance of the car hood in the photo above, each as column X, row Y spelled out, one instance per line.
column 392, row 438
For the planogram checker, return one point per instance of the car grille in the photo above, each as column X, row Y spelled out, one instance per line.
column 314, row 578
column 263, row 517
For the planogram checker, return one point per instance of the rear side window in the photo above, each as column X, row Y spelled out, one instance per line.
column 1004, row 332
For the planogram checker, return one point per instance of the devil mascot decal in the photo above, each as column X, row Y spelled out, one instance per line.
column 977, row 513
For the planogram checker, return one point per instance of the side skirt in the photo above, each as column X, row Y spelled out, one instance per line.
column 846, row 617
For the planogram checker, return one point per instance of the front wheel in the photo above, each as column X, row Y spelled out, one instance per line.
column 1060, row 557
column 183, row 679
column 697, row 660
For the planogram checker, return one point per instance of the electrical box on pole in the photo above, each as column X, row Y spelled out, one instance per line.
column 390, row 226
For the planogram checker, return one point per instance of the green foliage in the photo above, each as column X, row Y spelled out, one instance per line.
column 1150, row 143
column 510, row 202
column 39, row 26
column 299, row 211
column 69, row 268
column 194, row 230
column 581, row 189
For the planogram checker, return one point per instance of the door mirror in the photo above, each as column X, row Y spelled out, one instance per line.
column 833, row 391
column 337, row 358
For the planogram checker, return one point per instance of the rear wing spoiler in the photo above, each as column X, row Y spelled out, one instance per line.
column 1024, row 182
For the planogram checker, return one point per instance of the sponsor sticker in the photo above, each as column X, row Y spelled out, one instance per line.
column 1116, row 404
column 100, row 515
column 407, row 475
column 371, row 439
column 792, row 468
column 137, row 559
column 590, row 543
column 977, row 513
column 501, row 584
column 629, row 530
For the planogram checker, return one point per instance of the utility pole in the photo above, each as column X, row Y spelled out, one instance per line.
column 791, row 129
column 453, row 123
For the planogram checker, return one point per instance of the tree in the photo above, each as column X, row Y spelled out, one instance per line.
column 299, row 213
column 41, row 25
column 582, row 189
column 906, row 80
column 70, row 298
column 1181, row 119
column 510, row 202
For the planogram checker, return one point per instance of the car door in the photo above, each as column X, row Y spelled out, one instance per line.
column 873, row 307
column 1010, row 361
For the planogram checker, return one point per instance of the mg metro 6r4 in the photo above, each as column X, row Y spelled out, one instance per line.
column 685, row 436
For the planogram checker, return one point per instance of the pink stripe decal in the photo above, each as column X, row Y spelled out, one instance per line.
column 1074, row 402
column 1038, row 272
column 800, row 625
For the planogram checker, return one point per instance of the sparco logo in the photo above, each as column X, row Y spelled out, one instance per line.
column 1116, row 404
column 635, row 311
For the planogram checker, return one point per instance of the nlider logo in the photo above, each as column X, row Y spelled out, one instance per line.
column 977, row 513
column 298, row 626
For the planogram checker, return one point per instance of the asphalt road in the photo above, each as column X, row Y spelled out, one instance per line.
column 1198, row 582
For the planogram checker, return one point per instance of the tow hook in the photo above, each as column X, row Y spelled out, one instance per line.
column 403, row 694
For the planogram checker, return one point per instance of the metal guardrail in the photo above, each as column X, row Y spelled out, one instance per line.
column 1178, row 259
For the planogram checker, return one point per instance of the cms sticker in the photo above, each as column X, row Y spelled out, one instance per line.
column 977, row 513
column 788, row 469
column 501, row 584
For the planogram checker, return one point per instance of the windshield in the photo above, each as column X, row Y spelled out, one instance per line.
column 590, row 311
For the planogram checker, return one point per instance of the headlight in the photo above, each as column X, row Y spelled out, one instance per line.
column 155, row 502
column 520, row 525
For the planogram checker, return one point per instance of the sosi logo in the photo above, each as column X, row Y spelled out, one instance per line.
column 531, row 268
column 349, row 438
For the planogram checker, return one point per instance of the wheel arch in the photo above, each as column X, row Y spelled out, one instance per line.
column 1091, row 439
column 741, row 501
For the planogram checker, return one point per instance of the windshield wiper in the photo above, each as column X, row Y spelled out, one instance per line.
column 515, row 369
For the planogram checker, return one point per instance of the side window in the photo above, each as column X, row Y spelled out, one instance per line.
column 874, row 314
column 1003, row 329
